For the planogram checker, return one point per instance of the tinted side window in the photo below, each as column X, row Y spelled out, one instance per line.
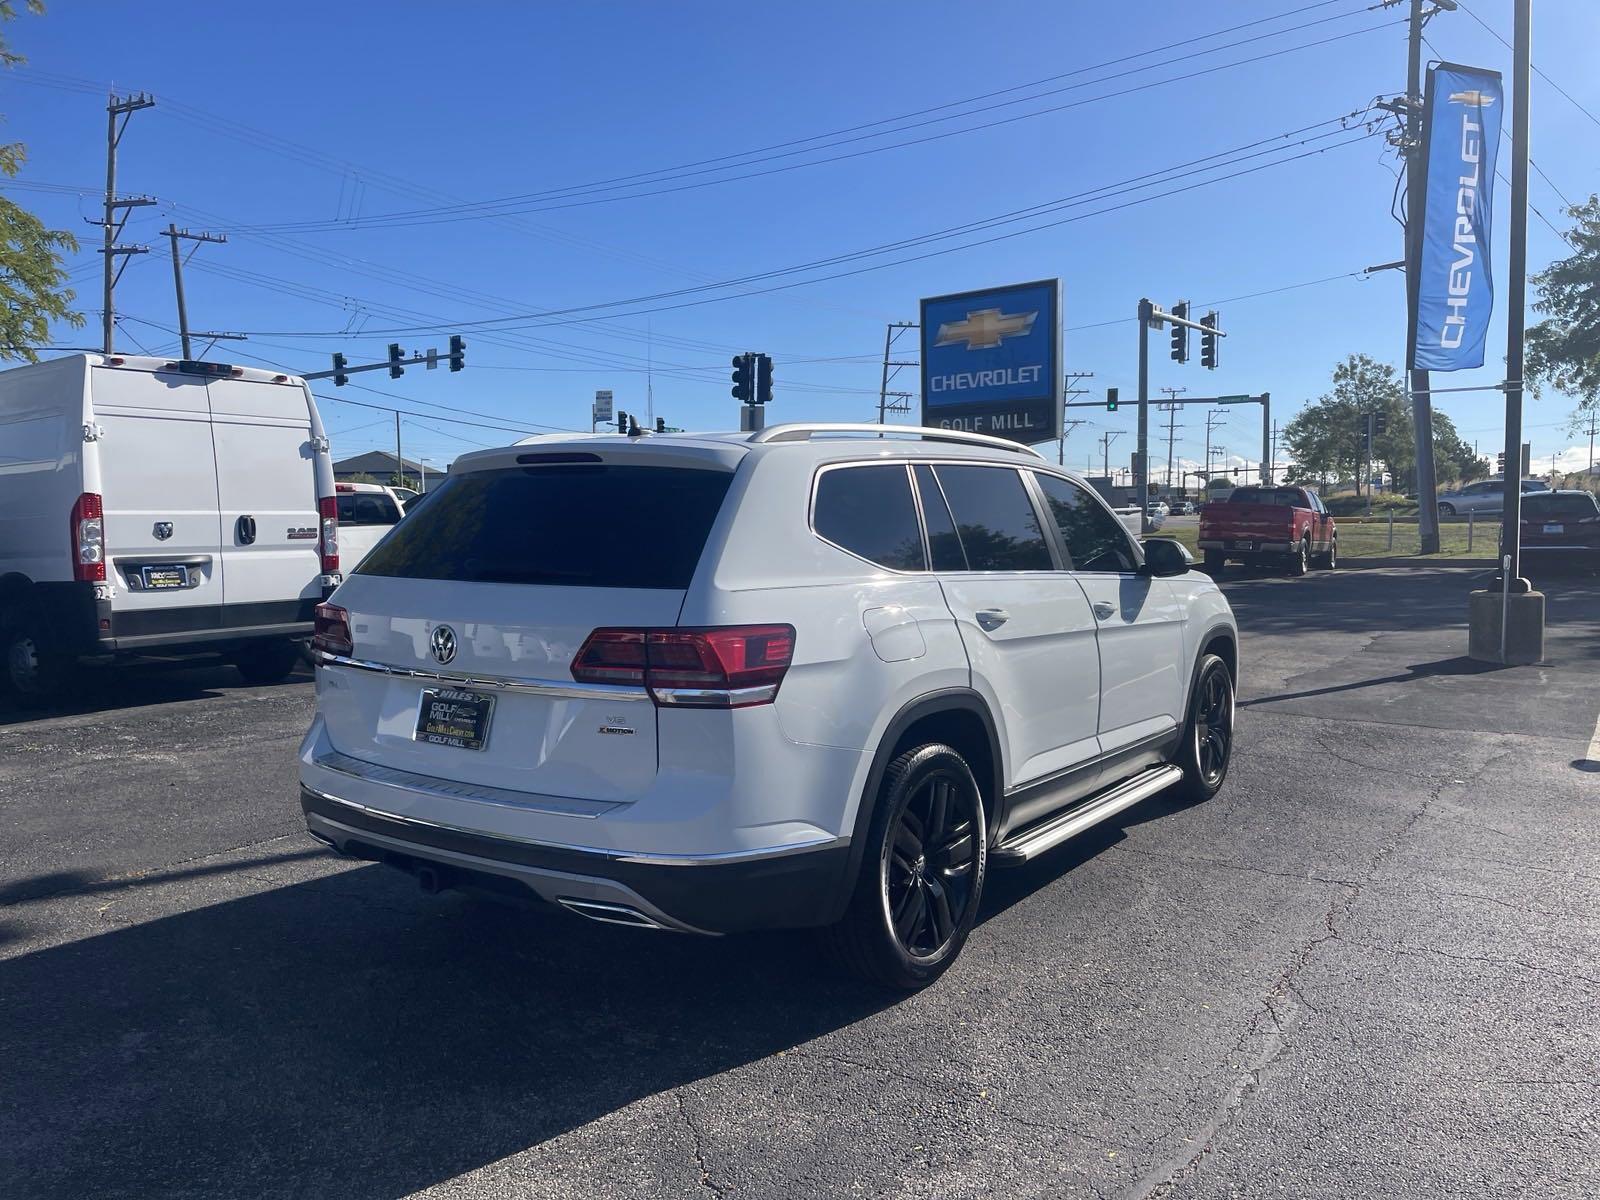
column 996, row 519
column 1095, row 539
column 367, row 508
column 869, row 511
column 944, row 543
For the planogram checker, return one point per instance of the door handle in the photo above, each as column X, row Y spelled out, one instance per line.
column 1103, row 609
column 990, row 619
column 246, row 530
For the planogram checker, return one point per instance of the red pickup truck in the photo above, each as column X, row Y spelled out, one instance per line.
column 1287, row 524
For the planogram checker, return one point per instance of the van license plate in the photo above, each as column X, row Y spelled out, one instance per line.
column 156, row 578
column 453, row 717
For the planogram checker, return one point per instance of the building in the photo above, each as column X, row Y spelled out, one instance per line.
column 379, row 465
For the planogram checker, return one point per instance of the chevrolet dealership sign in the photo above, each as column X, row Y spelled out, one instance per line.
column 991, row 361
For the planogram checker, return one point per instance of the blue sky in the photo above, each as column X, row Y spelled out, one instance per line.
column 336, row 115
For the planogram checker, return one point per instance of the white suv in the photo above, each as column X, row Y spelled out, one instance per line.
column 724, row 682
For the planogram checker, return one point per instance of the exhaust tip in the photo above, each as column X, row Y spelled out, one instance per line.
column 610, row 914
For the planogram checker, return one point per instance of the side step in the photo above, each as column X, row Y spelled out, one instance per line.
column 1036, row 839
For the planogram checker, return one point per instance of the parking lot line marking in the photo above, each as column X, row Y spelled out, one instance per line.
column 1593, row 753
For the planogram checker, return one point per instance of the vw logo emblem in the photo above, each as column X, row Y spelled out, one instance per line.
column 443, row 644
column 162, row 530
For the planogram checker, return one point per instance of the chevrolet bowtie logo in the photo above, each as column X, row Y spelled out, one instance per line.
column 1475, row 98
column 985, row 329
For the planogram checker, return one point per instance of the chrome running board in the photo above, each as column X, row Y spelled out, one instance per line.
column 1036, row 839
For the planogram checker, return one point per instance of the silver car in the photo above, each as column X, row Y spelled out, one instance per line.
column 1485, row 496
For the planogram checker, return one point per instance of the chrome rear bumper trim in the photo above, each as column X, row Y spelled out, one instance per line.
column 562, row 806
column 535, row 687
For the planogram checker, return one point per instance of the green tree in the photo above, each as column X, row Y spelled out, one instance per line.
column 1564, row 349
column 1328, row 438
column 32, row 274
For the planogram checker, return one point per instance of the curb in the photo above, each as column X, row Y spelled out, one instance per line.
column 1356, row 564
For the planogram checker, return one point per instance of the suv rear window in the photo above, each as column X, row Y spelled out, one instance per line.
column 1546, row 505
column 367, row 508
column 565, row 525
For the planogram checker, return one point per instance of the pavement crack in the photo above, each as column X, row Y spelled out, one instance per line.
column 1487, row 960
column 699, row 1147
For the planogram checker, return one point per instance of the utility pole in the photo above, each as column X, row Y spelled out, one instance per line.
column 399, row 470
column 1272, row 457
column 115, row 108
column 1172, row 428
column 901, row 400
column 1594, row 417
column 174, row 233
column 1106, row 439
column 1073, row 379
column 1213, row 419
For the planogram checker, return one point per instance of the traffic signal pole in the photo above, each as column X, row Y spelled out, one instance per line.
column 1142, row 482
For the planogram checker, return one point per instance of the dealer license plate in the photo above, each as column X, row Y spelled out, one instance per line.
column 156, row 578
column 454, row 717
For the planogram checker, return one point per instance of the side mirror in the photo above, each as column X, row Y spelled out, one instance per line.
column 1165, row 557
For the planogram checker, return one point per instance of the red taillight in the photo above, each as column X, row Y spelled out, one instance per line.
column 88, row 539
column 331, row 631
column 328, row 535
column 732, row 666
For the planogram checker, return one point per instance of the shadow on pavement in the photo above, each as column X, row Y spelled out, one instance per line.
column 104, row 689
column 347, row 1037
column 1461, row 665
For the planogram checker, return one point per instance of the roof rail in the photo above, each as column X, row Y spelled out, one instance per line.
column 804, row 431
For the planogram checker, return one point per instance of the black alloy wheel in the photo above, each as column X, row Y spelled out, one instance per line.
column 931, row 862
column 923, row 864
column 1208, row 739
column 1300, row 559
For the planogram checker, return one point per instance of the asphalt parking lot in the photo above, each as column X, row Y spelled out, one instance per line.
column 1367, row 968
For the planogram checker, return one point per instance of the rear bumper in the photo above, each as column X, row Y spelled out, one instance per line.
column 205, row 626
column 710, row 894
column 1228, row 546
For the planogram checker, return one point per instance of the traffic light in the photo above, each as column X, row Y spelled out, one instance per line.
column 458, row 352
column 1208, row 342
column 1500, row 462
column 1180, row 333
column 743, row 388
column 339, row 364
column 622, row 421
column 1111, row 399
column 1380, row 422
column 661, row 424
column 395, row 356
column 763, row 379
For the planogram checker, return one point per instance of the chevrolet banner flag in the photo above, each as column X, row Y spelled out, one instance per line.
column 1454, row 293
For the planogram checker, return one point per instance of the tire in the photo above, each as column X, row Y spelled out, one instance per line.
column 1215, row 561
column 1300, row 560
column 36, row 676
column 268, row 662
column 1447, row 510
column 1207, row 746
column 1330, row 560
column 912, row 907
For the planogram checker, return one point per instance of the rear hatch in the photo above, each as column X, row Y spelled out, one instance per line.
column 499, row 579
column 1560, row 521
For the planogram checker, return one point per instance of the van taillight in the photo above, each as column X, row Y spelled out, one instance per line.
column 328, row 538
column 330, row 631
column 88, row 539
column 730, row 666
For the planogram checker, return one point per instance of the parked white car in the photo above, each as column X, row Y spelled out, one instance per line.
column 738, row 681
column 367, row 511
column 151, row 505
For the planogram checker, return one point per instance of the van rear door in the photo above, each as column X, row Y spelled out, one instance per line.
column 267, row 497
column 158, row 482
column 489, row 590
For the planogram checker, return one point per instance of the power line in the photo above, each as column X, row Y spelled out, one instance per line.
column 541, row 319
column 1536, row 70
column 474, row 211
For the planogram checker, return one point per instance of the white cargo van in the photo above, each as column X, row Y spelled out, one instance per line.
column 152, row 506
